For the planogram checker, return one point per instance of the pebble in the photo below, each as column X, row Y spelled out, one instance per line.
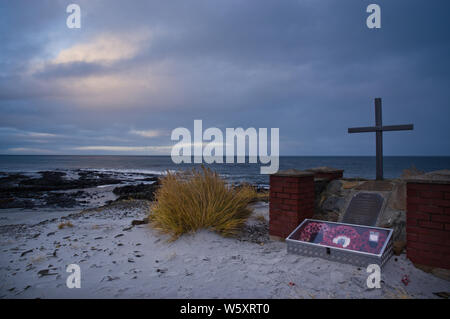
column 26, row 252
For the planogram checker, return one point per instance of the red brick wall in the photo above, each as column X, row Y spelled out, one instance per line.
column 428, row 224
column 291, row 201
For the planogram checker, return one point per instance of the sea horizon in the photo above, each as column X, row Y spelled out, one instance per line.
column 353, row 166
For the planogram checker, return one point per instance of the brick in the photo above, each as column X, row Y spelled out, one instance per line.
column 417, row 216
column 440, row 218
column 429, row 249
column 428, row 187
column 411, row 207
column 285, row 207
column 441, row 202
column 432, row 225
column 427, row 231
column 276, row 183
column 292, row 180
column 447, row 227
column 427, row 239
column 276, row 200
column 283, row 195
column 419, row 200
column 273, row 195
column 412, row 193
column 432, row 194
column 412, row 222
column 447, row 195
column 418, row 186
column 276, row 188
column 430, row 209
column 291, row 190
column 412, row 237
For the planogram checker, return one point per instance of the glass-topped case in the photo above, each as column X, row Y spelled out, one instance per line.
column 353, row 237
column 342, row 242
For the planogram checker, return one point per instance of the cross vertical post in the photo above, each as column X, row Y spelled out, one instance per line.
column 379, row 138
column 379, row 129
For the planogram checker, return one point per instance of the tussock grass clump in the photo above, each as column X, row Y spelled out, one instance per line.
column 199, row 199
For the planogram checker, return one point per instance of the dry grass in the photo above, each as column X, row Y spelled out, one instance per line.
column 412, row 171
column 199, row 199
column 399, row 293
column 62, row 225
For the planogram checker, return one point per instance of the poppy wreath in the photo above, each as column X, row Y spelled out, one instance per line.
column 345, row 231
column 311, row 230
column 375, row 248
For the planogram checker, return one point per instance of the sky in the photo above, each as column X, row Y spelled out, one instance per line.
column 136, row 70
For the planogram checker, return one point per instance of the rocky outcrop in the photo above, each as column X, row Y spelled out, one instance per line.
column 140, row 191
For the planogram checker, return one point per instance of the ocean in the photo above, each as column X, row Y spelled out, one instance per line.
column 354, row 166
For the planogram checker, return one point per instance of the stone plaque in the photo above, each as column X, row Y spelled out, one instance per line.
column 364, row 209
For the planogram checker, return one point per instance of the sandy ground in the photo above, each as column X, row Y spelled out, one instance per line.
column 120, row 261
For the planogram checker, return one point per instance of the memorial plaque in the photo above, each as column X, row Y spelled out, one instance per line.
column 364, row 209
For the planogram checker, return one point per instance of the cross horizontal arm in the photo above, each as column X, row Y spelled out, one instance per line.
column 406, row 127
column 362, row 129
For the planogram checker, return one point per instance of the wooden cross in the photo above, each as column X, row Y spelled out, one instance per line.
column 379, row 129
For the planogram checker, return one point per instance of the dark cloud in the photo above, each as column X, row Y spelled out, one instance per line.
column 311, row 68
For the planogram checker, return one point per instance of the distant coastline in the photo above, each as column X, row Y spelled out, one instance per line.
column 353, row 166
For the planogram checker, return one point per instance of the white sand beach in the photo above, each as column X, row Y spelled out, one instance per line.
column 118, row 260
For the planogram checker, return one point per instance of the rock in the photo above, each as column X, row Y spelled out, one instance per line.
column 140, row 191
column 139, row 222
column 397, row 200
column 50, row 189
column 333, row 204
column 334, row 187
column 119, row 235
column 442, row 294
column 110, row 278
column 45, row 272
column 127, row 228
column 375, row 186
column 320, row 185
column 349, row 184
column 26, row 252
column 395, row 220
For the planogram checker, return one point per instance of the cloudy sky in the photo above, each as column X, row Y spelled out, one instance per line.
column 136, row 70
